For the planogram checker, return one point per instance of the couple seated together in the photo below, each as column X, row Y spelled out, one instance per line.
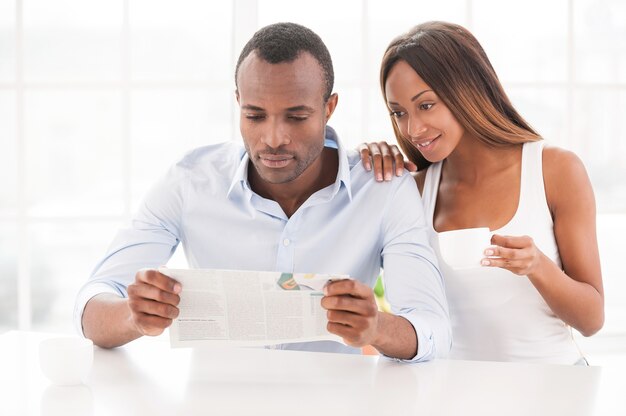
column 292, row 199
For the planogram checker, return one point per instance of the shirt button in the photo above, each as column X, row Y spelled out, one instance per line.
column 286, row 242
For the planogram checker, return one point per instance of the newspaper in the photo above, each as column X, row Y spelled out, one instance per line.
column 249, row 308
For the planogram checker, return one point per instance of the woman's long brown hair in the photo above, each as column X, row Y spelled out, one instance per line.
column 451, row 61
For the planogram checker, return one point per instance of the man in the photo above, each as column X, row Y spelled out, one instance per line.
column 291, row 202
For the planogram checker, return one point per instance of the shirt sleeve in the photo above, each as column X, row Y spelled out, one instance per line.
column 149, row 242
column 413, row 283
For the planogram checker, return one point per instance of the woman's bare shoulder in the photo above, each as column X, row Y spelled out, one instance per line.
column 559, row 164
column 564, row 175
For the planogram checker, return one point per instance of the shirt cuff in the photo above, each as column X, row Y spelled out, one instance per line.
column 425, row 342
column 84, row 295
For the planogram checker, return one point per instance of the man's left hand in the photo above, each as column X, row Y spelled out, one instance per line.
column 352, row 312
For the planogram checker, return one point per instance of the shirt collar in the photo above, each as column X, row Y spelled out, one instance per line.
column 343, row 172
column 240, row 178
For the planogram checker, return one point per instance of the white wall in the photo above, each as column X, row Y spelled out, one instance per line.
column 98, row 97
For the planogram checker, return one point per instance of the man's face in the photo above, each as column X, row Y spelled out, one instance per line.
column 282, row 115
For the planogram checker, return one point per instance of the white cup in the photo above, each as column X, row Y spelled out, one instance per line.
column 464, row 249
column 66, row 361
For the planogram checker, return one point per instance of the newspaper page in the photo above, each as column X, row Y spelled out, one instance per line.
column 249, row 308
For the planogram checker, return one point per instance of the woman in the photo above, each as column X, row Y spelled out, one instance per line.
column 480, row 164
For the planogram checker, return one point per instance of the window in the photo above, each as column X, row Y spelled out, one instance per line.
column 97, row 98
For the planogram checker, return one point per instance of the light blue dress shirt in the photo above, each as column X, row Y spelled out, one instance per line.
column 354, row 226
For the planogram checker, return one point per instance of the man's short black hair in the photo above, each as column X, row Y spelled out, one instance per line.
column 283, row 42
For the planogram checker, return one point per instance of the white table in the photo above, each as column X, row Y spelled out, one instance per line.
column 147, row 377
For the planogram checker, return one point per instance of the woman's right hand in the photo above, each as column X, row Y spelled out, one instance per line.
column 385, row 158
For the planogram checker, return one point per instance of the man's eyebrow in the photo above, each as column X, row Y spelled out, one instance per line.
column 415, row 97
column 301, row 108
column 251, row 107
column 293, row 109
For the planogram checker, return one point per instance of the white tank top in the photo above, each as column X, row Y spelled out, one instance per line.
column 497, row 315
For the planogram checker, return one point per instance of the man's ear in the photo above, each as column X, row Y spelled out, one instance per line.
column 331, row 104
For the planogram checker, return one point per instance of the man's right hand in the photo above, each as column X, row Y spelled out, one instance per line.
column 153, row 301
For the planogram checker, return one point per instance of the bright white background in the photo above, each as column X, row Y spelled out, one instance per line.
column 98, row 97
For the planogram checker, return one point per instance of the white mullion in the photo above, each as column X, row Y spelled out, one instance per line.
column 66, row 219
column 114, row 85
column 24, row 313
column 194, row 85
column 566, row 85
column 245, row 21
column 365, row 65
column 126, row 110
column 569, row 113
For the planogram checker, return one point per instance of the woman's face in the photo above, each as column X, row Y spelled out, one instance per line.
column 420, row 115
